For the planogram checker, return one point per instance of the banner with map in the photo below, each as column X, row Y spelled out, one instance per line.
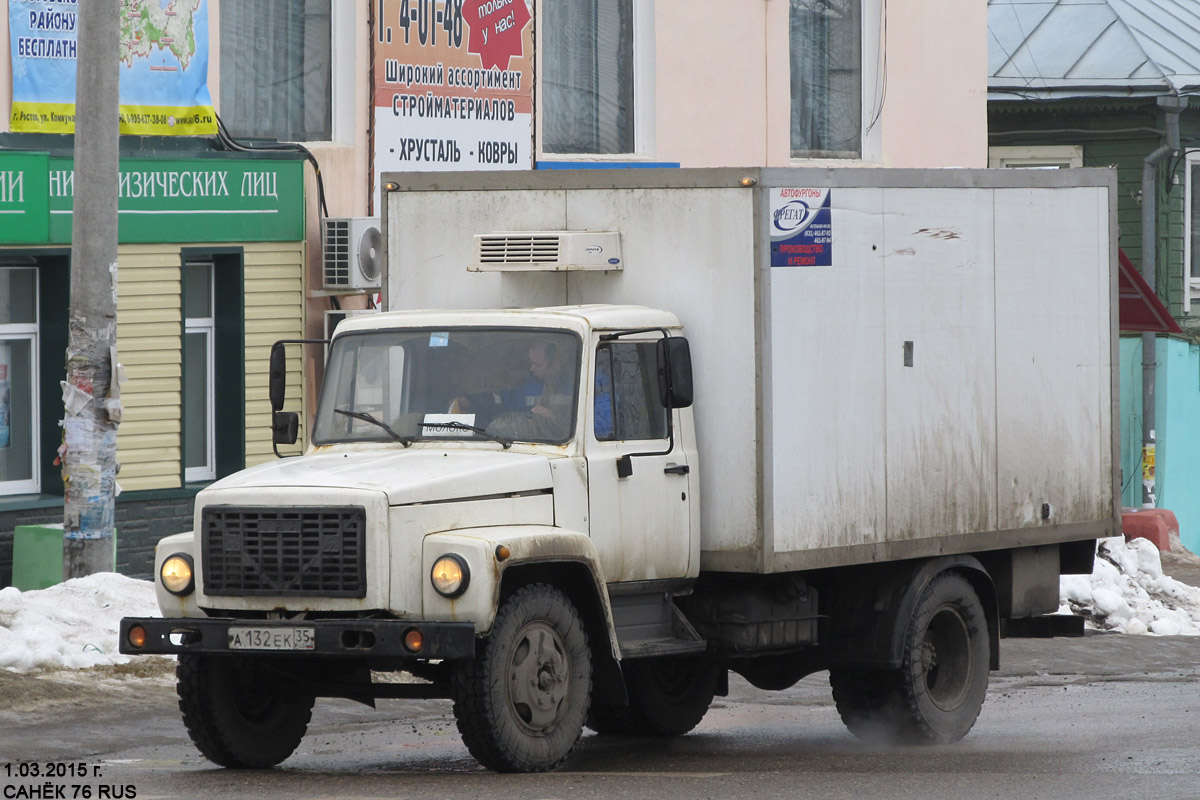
column 164, row 66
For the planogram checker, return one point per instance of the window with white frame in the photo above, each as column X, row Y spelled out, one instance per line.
column 277, row 70
column 18, row 380
column 1191, row 238
column 199, row 379
column 1057, row 156
column 596, row 75
column 825, row 42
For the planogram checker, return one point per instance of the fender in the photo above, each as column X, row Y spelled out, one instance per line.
column 528, row 546
column 168, row 604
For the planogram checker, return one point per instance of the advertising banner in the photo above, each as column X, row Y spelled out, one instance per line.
column 453, row 85
column 801, row 227
column 164, row 66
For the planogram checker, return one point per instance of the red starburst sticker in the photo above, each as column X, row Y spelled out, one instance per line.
column 496, row 27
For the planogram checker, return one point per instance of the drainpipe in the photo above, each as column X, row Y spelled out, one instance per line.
column 1172, row 106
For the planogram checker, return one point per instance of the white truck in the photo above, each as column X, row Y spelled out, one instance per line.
column 638, row 429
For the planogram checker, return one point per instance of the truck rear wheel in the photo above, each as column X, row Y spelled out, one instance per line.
column 936, row 695
column 944, row 675
column 868, row 702
column 239, row 713
column 520, row 706
column 667, row 697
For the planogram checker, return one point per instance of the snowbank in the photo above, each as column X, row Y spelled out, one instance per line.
column 1128, row 592
column 74, row 624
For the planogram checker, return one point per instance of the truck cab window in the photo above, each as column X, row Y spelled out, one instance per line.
column 465, row 383
column 627, row 404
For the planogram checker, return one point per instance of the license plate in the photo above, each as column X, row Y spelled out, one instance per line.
column 271, row 639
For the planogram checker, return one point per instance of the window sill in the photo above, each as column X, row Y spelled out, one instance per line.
column 602, row 162
column 23, row 502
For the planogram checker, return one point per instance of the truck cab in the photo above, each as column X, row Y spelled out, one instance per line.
column 456, row 458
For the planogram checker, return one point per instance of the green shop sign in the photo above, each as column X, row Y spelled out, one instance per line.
column 177, row 200
column 24, row 198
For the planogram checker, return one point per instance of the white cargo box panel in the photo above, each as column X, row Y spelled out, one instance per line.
column 888, row 363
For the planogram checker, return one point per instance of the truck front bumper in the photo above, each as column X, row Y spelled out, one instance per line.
column 356, row 638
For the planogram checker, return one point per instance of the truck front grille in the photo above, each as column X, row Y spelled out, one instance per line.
column 314, row 552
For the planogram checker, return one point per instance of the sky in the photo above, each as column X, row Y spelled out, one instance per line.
column 74, row 625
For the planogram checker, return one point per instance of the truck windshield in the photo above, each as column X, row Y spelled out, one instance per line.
column 497, row 384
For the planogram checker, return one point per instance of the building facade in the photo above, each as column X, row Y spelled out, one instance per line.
column 1110, row 84
column 221, row 235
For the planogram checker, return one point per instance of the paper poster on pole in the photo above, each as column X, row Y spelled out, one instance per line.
column 5, row 399
column 453, row 85
column 164, row 67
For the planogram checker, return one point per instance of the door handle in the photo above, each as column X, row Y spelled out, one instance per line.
column 677, row 469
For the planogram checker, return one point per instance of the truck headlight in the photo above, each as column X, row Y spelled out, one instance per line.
column 450, row 576
column 177, row 575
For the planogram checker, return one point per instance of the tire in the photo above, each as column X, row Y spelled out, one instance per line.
column 521, row 704
column 613, row 720
column 868, row 702
column 238, row 712
column 936, row 694
column 944, row 675
column 667, row 697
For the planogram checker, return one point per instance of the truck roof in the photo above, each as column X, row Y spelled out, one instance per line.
column 595, row 316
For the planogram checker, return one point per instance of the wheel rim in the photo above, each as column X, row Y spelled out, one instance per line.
column 945, row 659
column 539, row 678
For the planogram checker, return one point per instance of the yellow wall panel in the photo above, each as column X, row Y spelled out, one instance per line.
column 149, row 341
column 149, row 331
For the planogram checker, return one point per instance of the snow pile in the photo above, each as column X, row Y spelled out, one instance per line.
column 74, row 624
column 1128, row 592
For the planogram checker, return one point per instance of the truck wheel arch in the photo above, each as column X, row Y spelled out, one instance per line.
column 579, row 583
column 975, row 574
column 878, row 620
column 557, row 557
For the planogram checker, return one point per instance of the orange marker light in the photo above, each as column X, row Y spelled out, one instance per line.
column 413, row 640
column 137, row 636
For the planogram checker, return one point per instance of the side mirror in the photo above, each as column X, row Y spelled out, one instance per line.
column 285, row 427
column 674, row 372
column 277, row 380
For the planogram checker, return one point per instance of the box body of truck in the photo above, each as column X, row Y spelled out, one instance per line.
column 889, row 364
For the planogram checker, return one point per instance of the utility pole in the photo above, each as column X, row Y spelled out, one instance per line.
column 91, row 394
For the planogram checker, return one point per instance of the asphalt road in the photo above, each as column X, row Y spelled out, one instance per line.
column 1105, row 716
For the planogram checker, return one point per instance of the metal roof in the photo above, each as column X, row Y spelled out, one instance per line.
column 1054, row 49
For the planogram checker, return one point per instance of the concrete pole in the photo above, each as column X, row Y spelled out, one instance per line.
column 91, row 415
column 1171, row 106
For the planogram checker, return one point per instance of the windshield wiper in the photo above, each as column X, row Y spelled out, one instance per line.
column 365, row 417
column 462, row 426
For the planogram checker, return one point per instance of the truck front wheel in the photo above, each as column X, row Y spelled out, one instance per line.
column 520, row 705
column 239, row 713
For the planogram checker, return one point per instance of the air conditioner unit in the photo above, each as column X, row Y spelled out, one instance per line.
column 550, row 251
column 350, row 248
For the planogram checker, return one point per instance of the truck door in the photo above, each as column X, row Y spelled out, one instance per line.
column 640, row 524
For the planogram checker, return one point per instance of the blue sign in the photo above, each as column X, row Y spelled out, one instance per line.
column 801, row 228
